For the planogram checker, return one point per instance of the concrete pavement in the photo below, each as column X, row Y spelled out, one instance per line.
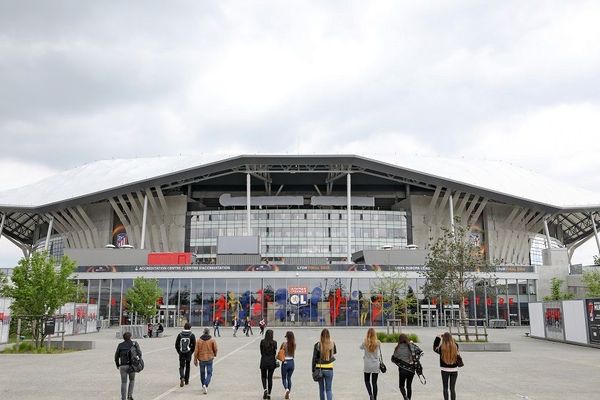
column 535, row 369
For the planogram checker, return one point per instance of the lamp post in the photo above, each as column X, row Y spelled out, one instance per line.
column 298, row 286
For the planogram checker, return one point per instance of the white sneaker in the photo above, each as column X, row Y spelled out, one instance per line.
column 205, row 389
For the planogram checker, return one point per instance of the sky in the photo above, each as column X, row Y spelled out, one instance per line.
column 513, row 81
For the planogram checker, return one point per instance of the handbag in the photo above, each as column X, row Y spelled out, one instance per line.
column 281, row 354
column 317, row 374
column 382, row 366
column 418, row 367
column 459, row 361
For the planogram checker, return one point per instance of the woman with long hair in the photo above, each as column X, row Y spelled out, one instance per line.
column 287, row 366
column 371, row 347
column 405, row 355
column 323, row 358
column 268, row 348
column 447, row 348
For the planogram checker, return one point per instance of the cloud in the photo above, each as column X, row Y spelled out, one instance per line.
column 560, row 141
column 509, row 80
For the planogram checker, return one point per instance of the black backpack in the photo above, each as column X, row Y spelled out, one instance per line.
column 136, row 363
column 184, row 344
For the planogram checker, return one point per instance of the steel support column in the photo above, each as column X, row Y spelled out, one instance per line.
column 248, row 229
column 547, row 232
column 49, row 233
column 349, row 214
column 593, row 226
column 2, row 224
column 144, row 217
column 451, row 207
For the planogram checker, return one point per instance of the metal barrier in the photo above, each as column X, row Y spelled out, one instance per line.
column 137, row 331
column 394, row 323
column 469, row 329
column 498, row 323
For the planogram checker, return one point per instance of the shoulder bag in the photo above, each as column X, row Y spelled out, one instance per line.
column 281, row 353
column 382, row 366
column 418, row 367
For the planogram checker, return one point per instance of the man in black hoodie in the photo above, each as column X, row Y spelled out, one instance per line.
column 185, row 344
column 123, row 365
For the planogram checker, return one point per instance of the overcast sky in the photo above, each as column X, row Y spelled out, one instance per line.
column 515, row 81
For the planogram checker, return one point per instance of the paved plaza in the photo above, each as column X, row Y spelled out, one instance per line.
column 535, row 369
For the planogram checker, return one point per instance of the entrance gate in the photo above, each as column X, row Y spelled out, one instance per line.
column 429, row 315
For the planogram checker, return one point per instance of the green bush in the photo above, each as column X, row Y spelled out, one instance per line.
column 393, row 337
column 29, row 348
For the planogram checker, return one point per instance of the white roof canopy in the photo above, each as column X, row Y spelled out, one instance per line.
column 106, row 175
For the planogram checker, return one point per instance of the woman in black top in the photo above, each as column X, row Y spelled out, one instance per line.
column 447, row 348
column 268, row 349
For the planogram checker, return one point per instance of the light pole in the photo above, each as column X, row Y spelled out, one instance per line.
column 299, row 298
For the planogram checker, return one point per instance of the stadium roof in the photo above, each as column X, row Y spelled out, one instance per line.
column 492, row 177
column 495, row 180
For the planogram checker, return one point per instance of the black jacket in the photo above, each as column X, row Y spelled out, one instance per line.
column 188, row 334
column 267, row 354
column 316, row 358
column 436, row 348
column 122, row 353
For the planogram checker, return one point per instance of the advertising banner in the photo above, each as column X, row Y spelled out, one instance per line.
column 298, row 295
column 4, row 319
column 92, row 318
column 274, row 268
column 554, row 322
column 68, row 310
column 592, row 307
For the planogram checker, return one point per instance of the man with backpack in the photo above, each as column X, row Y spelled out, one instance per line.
column 185, row 344
column 128, row 359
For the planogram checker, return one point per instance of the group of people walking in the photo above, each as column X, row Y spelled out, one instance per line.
column 204, row 350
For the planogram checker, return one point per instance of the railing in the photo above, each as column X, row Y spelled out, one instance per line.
column 469, row 329
column 394, row 323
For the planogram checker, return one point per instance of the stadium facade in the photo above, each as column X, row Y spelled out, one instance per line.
column 298, row 239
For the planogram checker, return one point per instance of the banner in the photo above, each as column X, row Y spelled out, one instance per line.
column 554, row 322
column 592, row 307
column 4, row 319
column 275, row 268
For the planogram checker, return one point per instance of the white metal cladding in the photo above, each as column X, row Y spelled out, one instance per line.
column 496, row 176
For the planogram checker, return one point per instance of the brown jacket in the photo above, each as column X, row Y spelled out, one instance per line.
column 206, row 348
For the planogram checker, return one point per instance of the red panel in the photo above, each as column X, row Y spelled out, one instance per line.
column 169, row 258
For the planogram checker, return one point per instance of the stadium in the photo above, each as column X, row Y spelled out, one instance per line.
column 298, row 239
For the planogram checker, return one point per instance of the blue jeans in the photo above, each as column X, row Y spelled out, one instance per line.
column 206, row 372
column 287, row 369
column 325, row 384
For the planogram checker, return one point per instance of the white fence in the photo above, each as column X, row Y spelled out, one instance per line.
column 79, row 318
column 571, row 321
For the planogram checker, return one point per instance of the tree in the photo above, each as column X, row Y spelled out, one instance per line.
column 142, row 297
column 395, row 293
column 451, row 262
column 591, row 279
column 39, row 288
column 556, row 293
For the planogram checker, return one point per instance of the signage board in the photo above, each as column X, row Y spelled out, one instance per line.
column 592, row 307
column 49, row 326
column 554, row 322
column 274, row 268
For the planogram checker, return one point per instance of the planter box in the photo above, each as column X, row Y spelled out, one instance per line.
column 475, row 346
